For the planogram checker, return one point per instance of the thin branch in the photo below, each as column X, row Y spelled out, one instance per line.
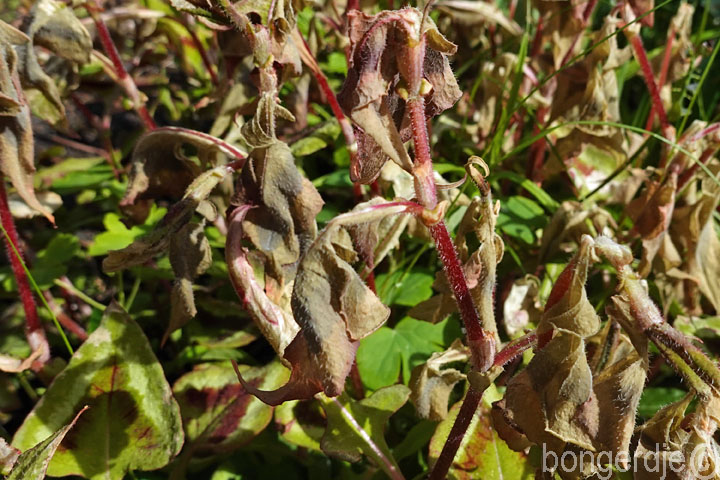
column 125, row 80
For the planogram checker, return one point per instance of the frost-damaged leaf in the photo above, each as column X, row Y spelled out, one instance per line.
column 333, row 308
column 8, row 363
column 652, row 213
column 218, row 415
column 484, row 454
column 282, row 222
column 190, row 256
column 156, row 242
column 160, row 168
column 552, row 400
column 52, row 25
column 16, row 137
column 356, row 428
column 275, row 322
column 133, row 421
column 522, row 306
column 33, row 463
column 370, row 93
column 473, row 13
column 432, row 384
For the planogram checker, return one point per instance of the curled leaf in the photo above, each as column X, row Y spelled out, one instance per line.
column 431, row 384
column 333, row 307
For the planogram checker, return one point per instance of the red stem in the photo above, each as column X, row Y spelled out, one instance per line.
column 124, row 79
column 514, row 349
column 646, row 68
column 663, row 74
column 33, row 328
column 457, row 433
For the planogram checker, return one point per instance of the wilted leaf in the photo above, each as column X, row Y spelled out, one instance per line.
column 147, row 247
column 133, row 421
column 16, row 137
column 190, row 256
column 432, row 384
column 218, row 415
column 484, row 455
column 356, row 428
column 33, row 463
column 369, row 94
column 333, row 307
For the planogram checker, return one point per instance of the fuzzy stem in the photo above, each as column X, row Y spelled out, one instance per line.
column 457, row 433
column 514, row 349
column 124, row 79
column 33, row 328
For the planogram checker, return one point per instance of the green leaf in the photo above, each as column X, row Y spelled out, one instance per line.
column 218, row 415
column 705, row 328
column 397, row 288
column 384, row 354
column 117, row 236
column 338, row 179
column 133, row 421
column 33, row 463
column 357, row 428
column 540, row 195
column 317, row 140
column 295, row 419
column 485, row 455
column 520, row 217
column 51, row 263
column 654, row 398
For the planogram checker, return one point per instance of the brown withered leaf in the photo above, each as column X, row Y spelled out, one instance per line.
column 652, row 213
column 52, row 25
column 569, row 223
column 568, row 307
column 369, row 95
column 522, row 305
column 160, row 168
column 156, row 242
column 274, row 320
column 16, row 137
column 190, row 257
column 478, row 13
column 282, row 222
column 431, row 383
column 333, row 307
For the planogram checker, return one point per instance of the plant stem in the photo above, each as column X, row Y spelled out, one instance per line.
column 124, row 79
column 457, row 433
column 33, row 328
column 657, row 105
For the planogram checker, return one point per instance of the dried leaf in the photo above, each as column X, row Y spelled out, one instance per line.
column 369, row 94
column 333, row 307
column 8, row 456
column 190, row 257
column 148, row 246
column 16, row 137
column 431, row 384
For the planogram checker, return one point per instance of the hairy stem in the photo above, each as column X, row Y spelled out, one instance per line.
column 457, row 433
column 33, row 328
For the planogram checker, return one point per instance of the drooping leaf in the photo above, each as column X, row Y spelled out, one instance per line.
column 33, row 463
column 190, row 256
column 356, row 428
column 369, row 93
column 432, row 384
column 133, row 421
column 8, row 456
column 217, row 414
column 16, row 137
column 485, row 455
column 333, row 307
